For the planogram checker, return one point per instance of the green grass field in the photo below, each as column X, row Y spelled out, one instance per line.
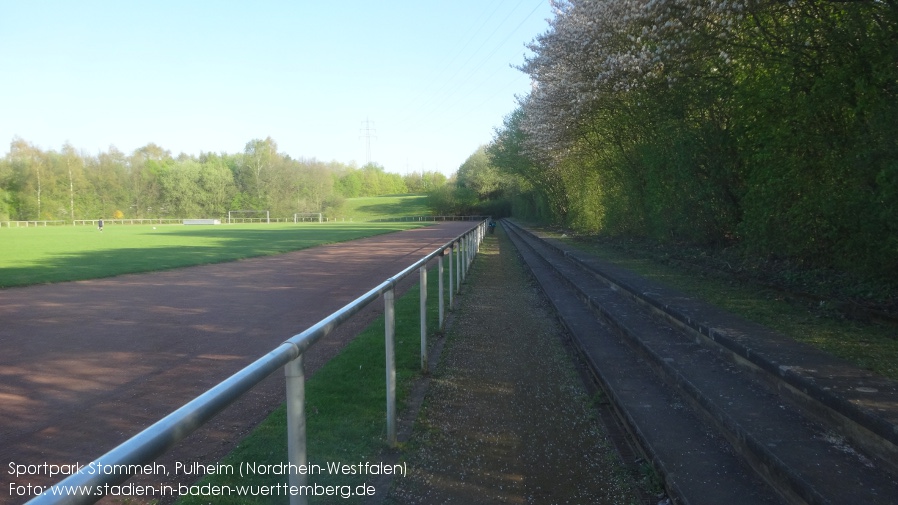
column 386, row 207
column 68, row 253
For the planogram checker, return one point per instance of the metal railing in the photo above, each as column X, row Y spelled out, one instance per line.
column 154, row 441
column 30, row 224
column 242, row 220
column 428, row 218
column 148, row 220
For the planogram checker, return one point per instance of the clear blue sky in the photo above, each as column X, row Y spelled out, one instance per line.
column 433, row 78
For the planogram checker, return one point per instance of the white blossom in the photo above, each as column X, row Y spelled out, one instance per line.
column 598, row 49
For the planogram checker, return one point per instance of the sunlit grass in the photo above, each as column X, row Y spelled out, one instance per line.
column 383, row 207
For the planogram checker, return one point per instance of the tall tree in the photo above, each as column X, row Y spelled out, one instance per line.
column 258, row 157
column 317, row 185
column 29, row 162
column 479, row 175
column 74, row 165
column 217, row 184
column 769, row 123
column 145, row 164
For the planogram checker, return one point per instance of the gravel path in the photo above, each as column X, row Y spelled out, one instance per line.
column 507, row 418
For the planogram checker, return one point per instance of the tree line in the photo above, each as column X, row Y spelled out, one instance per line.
column 766, row 125
column 149, row 183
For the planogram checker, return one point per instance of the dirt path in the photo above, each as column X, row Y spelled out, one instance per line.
column 86, row 365
column 506, row 418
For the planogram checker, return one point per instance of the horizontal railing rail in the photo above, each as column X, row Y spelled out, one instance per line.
column 428, row 218
column 146, row 220
column 30, row 224
column 155, row 440
column 240, row 220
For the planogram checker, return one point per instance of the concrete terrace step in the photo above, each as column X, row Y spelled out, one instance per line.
column 861, row 405
column 803, row 457
column 699, row 466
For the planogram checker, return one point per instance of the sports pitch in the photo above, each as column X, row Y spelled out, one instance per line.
column 68, row 253
column 105, row 358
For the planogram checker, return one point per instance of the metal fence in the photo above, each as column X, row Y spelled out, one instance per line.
column 232, row 220
column 155, row 220
column 154, row 441
column 429, row 218
column 29, row 224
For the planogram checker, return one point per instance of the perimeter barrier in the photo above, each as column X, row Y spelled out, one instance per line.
column 321, row 218
column 154, row 441
column 30, row 224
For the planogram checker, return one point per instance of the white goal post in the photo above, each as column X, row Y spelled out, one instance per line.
column 260, row 219
column 307, row 217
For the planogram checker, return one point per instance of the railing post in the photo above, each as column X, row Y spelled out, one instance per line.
column 296, row 425
column 451, row 274
column 472, row 240
column 470, row 255
column 389, row 339
column 440, row 288
column 458, row 269
column 423, row 273
column 463, row 253
column 473, row 235
column 465, row 258
column 477, row 239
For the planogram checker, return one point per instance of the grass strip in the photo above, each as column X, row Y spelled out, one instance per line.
column 345, row 408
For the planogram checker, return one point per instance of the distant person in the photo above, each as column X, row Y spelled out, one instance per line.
column 492, row 226
column 100, row 224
